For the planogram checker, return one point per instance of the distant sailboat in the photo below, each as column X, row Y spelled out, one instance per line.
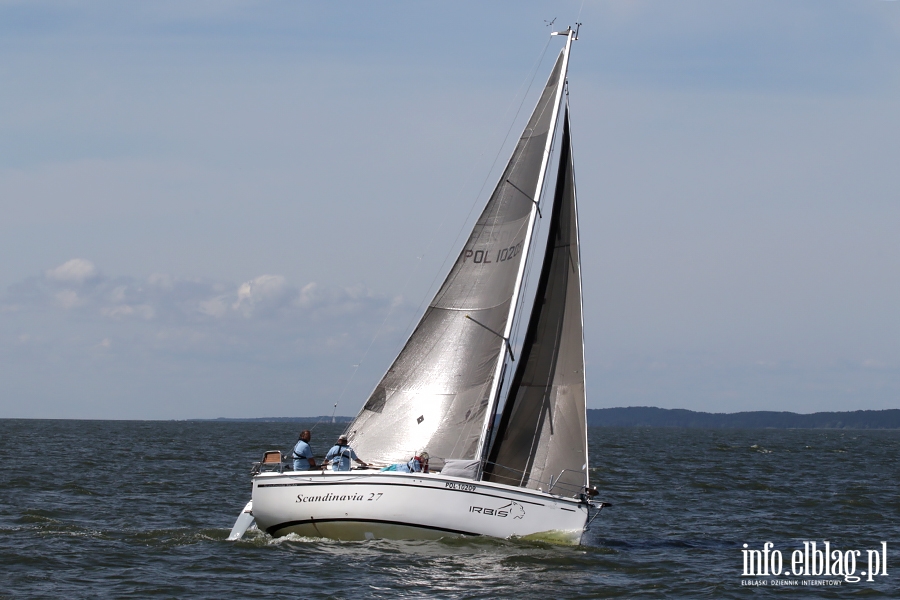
column 529, row 477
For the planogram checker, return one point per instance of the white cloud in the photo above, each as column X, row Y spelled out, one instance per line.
column 168, row 311
column 215, row 307
column 68, row 298
column 144, row 311
column 871, row 363
column 265, row 289
column 160, row 280
column 306, row 296
column 77, row 270
column 198, row 340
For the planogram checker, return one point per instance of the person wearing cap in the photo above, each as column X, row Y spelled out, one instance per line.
column 303, row 454
column 340, row 455
column 418, row 464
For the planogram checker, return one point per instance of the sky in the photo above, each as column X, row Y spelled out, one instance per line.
column 235, row 209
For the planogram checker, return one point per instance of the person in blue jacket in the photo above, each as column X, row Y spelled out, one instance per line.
column 340, row 456
column 303, row 454
column 418, row 464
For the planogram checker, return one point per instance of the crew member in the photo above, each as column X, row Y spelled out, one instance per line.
column 418, row 464
column 340, row 455
column 303, row 454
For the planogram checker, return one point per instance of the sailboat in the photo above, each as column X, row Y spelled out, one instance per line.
column 519, row 471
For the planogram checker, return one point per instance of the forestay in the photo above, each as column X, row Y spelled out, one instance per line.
column 435, row 395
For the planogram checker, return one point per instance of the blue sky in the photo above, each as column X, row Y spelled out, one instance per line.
column 211, row 209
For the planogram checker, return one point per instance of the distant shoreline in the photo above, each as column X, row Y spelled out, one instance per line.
column 327, row 419
column 633, row 416
column 646, row 416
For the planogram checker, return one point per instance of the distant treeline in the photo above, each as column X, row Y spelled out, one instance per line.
column 644, row 416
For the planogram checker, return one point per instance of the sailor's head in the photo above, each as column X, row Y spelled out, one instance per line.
column 422, row 457
column 306, row 435
column 342, row 440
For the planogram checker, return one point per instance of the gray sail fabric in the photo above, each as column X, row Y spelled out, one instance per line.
column 435, row 394
column 542, row 434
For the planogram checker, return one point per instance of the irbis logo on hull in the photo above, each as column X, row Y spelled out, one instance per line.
column 513, row 509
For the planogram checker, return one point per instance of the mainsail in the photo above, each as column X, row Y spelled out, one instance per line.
column 542, row 439
column 435, row 396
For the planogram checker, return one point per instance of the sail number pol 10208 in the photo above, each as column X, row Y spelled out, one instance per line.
column 463, row 487
column 484, row 256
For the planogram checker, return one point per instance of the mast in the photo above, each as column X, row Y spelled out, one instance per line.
column 494, row 394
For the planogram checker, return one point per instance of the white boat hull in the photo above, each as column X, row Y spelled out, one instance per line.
column 362, row 505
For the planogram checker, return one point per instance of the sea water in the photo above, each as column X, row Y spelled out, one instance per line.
column 143, row 509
